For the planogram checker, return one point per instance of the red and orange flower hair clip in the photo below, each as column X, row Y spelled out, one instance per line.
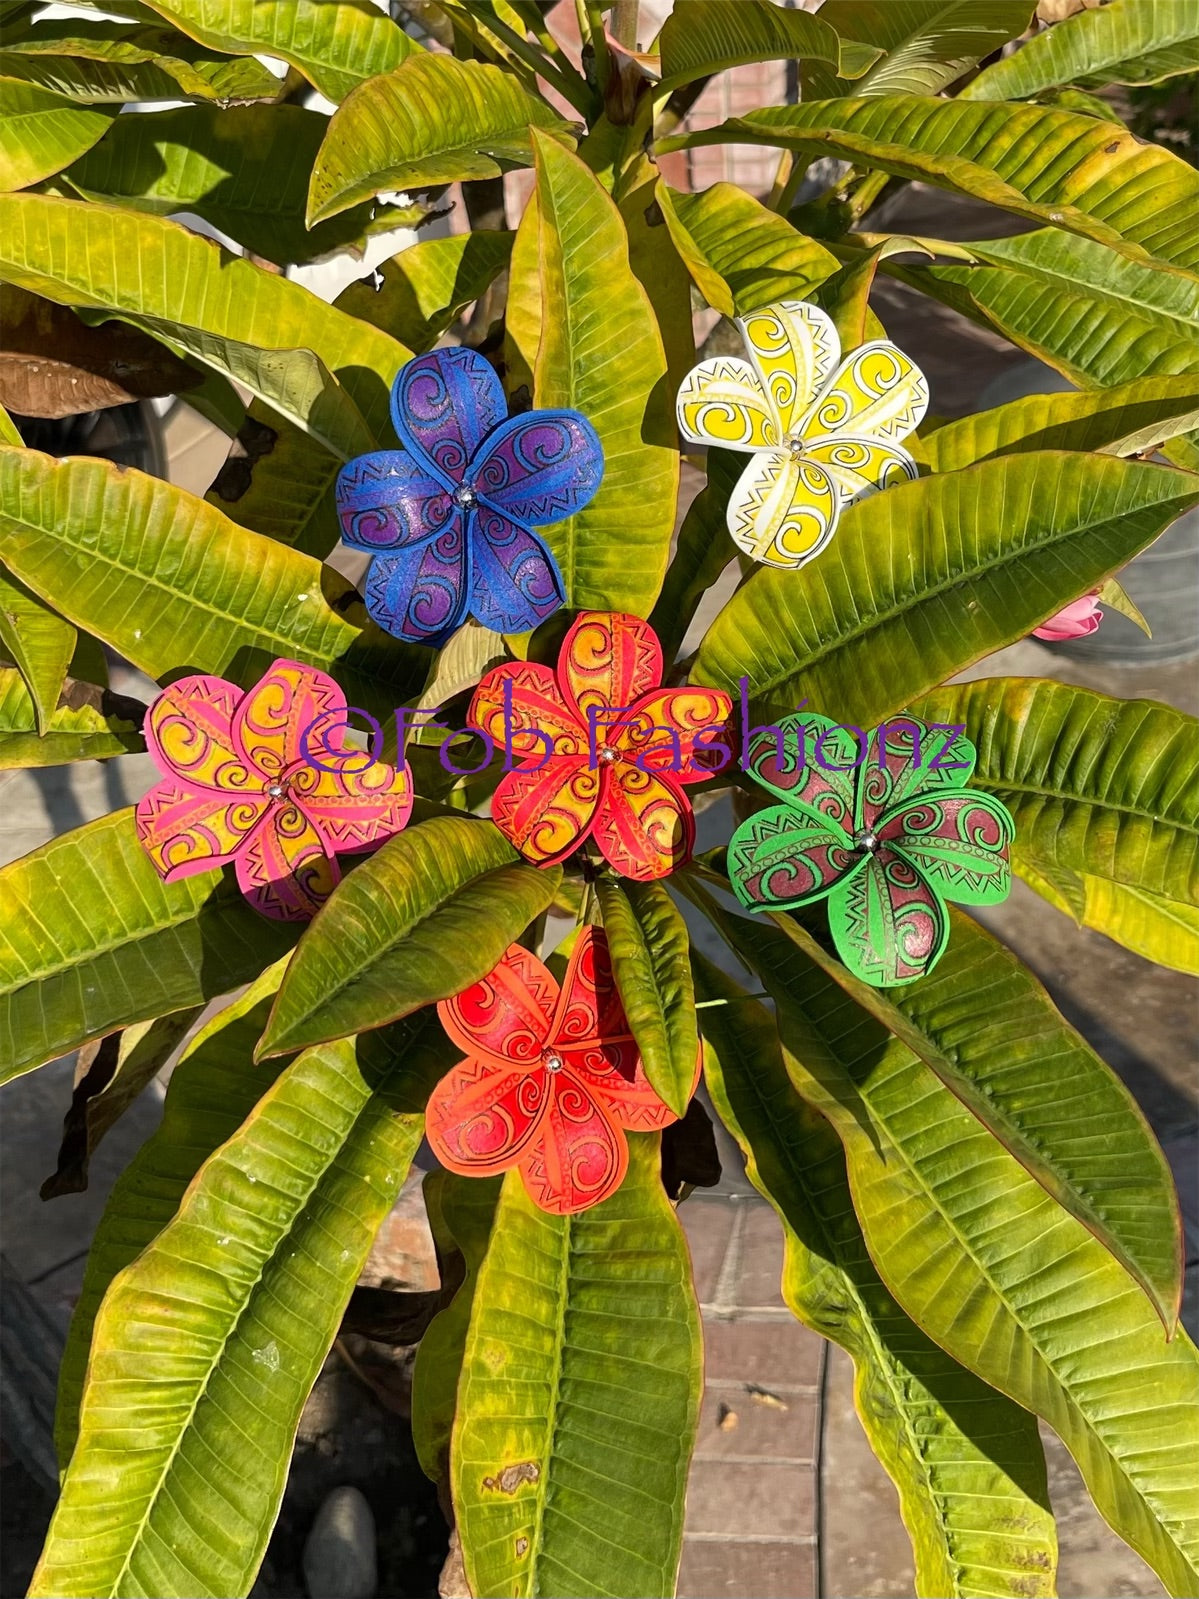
column 551, row 1081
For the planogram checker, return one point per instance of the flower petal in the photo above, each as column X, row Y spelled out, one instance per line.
column 420, row 595
column 443, row 405
column 589, row 1008
column 185, row 830
column 607, row 661
column 723, row 401
column 644, row 827
column 783, row 510
column 189, row 732
column 358, row 805
column 287, row 713
column 532, row 704
column 539, row 467
column 506, row 1015
column 515, row 582
column 899, row 765
column 809, row 762
column 548, row 813
column 888, row 922
column 683, row 731
column 580, row 1156
column 860, row 467
column 778, row 859
column 388, row 501
column 481, row 1117
column 794, row 347
column 283, row 869
column 959, row 841
column 876, row 393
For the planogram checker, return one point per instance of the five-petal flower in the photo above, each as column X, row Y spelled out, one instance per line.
column 605, row 749
column 887, row 837
column 450, row 519
column 550, row 1081
column 821, row 434
column 265, row 779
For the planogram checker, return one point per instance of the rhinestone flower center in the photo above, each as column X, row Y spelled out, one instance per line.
column 551, row 1060
column 608, row 755
column 866, row 842
column 465, row 496
column 276, row 791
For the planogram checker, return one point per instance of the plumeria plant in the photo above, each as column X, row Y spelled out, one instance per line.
column 447, row 669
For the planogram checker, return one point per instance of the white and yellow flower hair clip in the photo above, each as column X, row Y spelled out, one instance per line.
column 823, row 432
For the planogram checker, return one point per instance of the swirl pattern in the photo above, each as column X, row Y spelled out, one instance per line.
column 821, row 435
column 886, row 838
column 239, row 785
column 550, row 1081
column 452, row 518
column 607, row 750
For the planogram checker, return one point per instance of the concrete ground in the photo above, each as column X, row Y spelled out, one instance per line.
column 786, row 1500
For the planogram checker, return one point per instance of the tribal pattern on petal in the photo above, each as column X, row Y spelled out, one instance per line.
column 883, row 837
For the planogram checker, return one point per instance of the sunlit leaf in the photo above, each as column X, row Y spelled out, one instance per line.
column 41, row 132
column 597, row 1314
column 434, row 120
column 427, row 915
column 924, row 579
column 93, row 940
column 40, row 644
column 85, row 724
column 966, row 1461
column 927, row 44
column 1126, row 41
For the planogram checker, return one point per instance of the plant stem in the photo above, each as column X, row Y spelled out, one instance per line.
column 624, row 23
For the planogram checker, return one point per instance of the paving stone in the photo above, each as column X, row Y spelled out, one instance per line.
column 708, row 1224
column 760, row 1430
column 779, row 1354
column 765, row 1570
column 751, row 1498
column 760, row 1266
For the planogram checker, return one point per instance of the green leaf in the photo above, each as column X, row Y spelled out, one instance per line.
column 427, row 915
column 1126, row 41
column 740, row 254
column 1035, row 1084
column 707, row 36
column 172, row 585
column 990, row 1265
column 702, row 551
column 212, row 1090
column 86, row 724
column 1162, row 930
column 39, row 643
column 433, row 120
column 928, row 44
column 1127, row 321
column 41, row 132
column 109, row 1076
column 226, row 1318
column 846, row 295
column 427, row 285
column 244, row 168
column 1085, row 176
column 922, row 580
column 336, row 44
column 647, row 939
column 461, row 1211
column 275, row 482
column 99, row 61
column 589, row 335
column 192, row 292
column 1117, row 598
column 1126, row 420
column 8, row 430
column 93, row 940
column 1096, row 785
column 579, row 1396
column 966, row 1461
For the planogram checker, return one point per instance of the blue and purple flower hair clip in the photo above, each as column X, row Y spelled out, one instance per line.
column 450, row 518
